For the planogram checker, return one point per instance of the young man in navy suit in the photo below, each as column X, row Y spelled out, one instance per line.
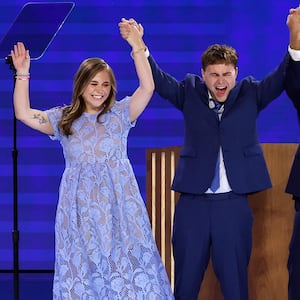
column 213, row 217
column 293, row 185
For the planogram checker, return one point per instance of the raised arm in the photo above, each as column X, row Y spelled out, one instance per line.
column 292, row 84
column 293, row 23
column 33, row 118
column 133, row 32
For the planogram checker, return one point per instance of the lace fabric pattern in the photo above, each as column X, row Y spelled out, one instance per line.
column 104, row 247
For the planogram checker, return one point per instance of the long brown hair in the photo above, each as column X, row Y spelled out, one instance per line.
column 85, row 73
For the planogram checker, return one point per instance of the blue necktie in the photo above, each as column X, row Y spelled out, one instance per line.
column 216, row 180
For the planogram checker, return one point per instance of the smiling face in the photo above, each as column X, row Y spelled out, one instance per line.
column 220, row 80
column 96, row 92
column 94, row 87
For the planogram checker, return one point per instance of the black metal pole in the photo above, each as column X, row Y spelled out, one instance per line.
column 15, row 232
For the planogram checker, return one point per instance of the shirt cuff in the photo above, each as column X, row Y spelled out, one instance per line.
column 295, row 54
column 147, row 53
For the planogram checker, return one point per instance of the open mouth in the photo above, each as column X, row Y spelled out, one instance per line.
column 98, row 96
column 220, row 91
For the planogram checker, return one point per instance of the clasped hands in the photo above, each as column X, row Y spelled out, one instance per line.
column 128, row 27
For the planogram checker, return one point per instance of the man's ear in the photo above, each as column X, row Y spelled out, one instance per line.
column 236, row 71
column 202, row 73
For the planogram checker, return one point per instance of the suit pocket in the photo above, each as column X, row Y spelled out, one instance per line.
column 188, row 152
column 253, row 150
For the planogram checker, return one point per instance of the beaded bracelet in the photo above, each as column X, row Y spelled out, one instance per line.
column 23, row 76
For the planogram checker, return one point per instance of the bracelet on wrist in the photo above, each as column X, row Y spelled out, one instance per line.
column 22, row 76
column 138, row 50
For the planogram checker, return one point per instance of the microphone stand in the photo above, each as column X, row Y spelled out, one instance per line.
column 15, row 232
column 23, row 30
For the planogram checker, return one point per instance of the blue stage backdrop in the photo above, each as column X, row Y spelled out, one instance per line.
column 176, row 33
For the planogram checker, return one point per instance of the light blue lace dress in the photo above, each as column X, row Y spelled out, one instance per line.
column 104, row 245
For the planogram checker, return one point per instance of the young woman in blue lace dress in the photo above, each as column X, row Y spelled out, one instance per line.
column 104, row 247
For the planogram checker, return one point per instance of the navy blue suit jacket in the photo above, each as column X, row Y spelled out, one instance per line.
column 293, row 91
column 237, row 133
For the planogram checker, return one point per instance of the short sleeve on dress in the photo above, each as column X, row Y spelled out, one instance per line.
column 54, row 115
column 122, row 108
